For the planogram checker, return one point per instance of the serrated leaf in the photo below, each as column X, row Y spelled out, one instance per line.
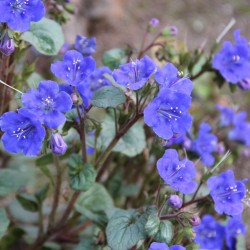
column 4, row 222
column 113, row 58
column 152, row 225
column 28, row 202
column 165, row 232
column 81, row 176
column 94, row 204
column 11, row 181
column 46, row 36
column 108, row 97
column 125, row 229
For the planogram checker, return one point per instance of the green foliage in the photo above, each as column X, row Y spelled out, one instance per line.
column 113, row 58
column 131, row 144
column 165, row 232
column 46, row 36
column 4, row 222
column 108, row 97
column 125, row 229
column 11, row 181
column 153, row 224
column 28, row 202
column 94, row 204
column 81, row 176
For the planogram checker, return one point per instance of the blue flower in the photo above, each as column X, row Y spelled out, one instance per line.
column 48, row 103
column 164, row 246
column 19, row 13
column 85, row 46
column 205, row 144
column 227, row 115
column 234, row 227
column 227, row 193
column 241, row 130
column 167, row 114
column 233, row 61
column 209, row 234
column 168, row 78
column 74, row 68
column 23, row 132
column 178, row 174
column 95, row 81
column 135, row 74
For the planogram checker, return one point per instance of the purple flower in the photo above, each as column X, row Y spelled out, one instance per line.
column 164, row 246
column 227, row 115
column 233, row 61
column 176, row 139
column 154, row 22
column 167, row 114
column 135, row 74
column 178, row 174
column 209, row 234
column 244, row 84
column 227, row 193
column 23, row 132
column 18, row 14
column 174, row 201
column 241, row 130
column 74, row 68
column 234, row 227
column 95, row 81
column 85, row 46
column 57, row 144
column 48, row 103
column 7, row 45
column 205, row 144
column 220, row 148
column 168, row 78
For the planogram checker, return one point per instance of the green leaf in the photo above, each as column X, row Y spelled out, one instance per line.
column 108, row 97
column 28, row 202
column 165, row 232
column 4, row 222
column 94, row 204
column 87, row 244
column 46, row 36
column 11, row 181
column 42, row 193
column 113, row 58
column 131, row 144
column 125, row 229
column 34, row 80
column 152, row 225
column 81, row 176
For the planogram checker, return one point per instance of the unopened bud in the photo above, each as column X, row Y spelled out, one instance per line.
column 7, row 45
column 220, row 148
column 244, row 84
column 154, row 22
column 74, row 97
column 174, row 201
column 195, row 220
column 57, row 144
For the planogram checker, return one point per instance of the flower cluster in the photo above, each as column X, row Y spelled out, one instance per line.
column 211, row 235
column 205, row 144
column 178, row 174
column 233, row 61
column 18, row 14
column 85, row 46
column 227, row 193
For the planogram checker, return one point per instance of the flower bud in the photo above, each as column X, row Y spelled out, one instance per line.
column 244, row 84
column 173, row 30
column 174, row 201
column 195, row 220
column 74, row 97
column 7, row 45
column 220, row 148
column 154, row 22
column 57, row 144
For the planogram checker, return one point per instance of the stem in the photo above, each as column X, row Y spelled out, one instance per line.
column 170, row 216
column 56, row 192
column 40, row 220
column 195, row 201
column 102, row 158
column 11, row 87
column 116, row 122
